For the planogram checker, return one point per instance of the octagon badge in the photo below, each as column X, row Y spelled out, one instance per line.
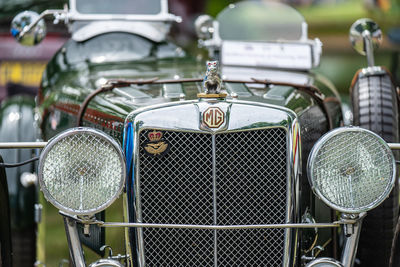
column 213, row 117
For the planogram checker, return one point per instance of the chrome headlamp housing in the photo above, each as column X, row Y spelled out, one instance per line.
column 324, row 262
column 82, row 171
column 351, row 169
column 106, row 263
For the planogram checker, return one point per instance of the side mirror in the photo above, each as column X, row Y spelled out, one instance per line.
column 365, row 36
column 204, row 26
column 28, row 28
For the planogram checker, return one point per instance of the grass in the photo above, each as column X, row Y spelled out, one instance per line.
column 52, row 242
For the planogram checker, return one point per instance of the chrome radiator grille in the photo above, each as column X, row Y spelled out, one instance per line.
column 226, row 179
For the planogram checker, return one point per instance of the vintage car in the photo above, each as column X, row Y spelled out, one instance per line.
column 247, row 158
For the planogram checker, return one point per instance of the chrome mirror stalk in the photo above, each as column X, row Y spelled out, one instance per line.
column 365, row 36
column 35, row 30
column 369, row 49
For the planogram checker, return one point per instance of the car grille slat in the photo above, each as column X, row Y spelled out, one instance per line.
column 250, row 188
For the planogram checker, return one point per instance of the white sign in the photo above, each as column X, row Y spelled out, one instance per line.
column 274, row 55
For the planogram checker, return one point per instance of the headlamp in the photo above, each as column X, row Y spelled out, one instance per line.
column 351, row 169
column 81, row 171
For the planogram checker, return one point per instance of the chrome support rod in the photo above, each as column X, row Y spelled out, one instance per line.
column 369, row 49
column 74, row 244
column 394, row 146
column 352, row 232
column 220, row 227
column 11, row 145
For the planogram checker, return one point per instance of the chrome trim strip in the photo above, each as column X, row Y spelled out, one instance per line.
column 221, row 227
column 289, row 193
column 139, row 218
column 292, row 193
column 10, row 145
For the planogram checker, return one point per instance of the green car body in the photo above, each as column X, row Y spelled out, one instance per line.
column 67, row 81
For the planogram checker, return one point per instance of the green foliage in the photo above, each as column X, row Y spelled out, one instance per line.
column 214, row 7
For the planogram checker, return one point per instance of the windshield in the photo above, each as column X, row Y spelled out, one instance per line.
column 260, row 21
column 122, row 7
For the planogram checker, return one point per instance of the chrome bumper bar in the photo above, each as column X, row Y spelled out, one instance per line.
column 351, row 225
column 219, row 227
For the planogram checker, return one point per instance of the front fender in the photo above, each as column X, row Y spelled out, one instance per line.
column 5, row 233
column 17, row 125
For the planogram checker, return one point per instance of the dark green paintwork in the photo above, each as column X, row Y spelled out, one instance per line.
column 17, row 125
column 71, row 76
column 5, row 229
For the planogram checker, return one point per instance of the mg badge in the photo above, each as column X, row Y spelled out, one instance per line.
column 213, row 117
column 155, row 146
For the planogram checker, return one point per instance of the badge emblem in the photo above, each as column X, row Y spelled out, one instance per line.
column 213, row 117
column 156, row 146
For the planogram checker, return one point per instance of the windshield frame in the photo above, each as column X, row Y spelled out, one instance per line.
column 215, row 43
column 234, row 9
column 75, row 15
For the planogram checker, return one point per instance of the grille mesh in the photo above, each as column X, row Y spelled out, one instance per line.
column 250, row 179
column 177, row 188
column 251, row 189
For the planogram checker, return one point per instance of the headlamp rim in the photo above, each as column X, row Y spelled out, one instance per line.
column 73, row 131
column 313, row 154
column 325, row 260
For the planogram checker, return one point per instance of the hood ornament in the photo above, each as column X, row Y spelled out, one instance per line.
column 212, row 82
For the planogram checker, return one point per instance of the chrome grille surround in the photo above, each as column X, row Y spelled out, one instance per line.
column 179, row 189
column 273, row 119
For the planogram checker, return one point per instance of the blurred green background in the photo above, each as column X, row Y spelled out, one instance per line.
column 330, row 21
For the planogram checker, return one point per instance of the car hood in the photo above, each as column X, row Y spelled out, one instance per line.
column 76, row 71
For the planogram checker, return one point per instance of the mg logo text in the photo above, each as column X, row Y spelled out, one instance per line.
column 213, row 117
